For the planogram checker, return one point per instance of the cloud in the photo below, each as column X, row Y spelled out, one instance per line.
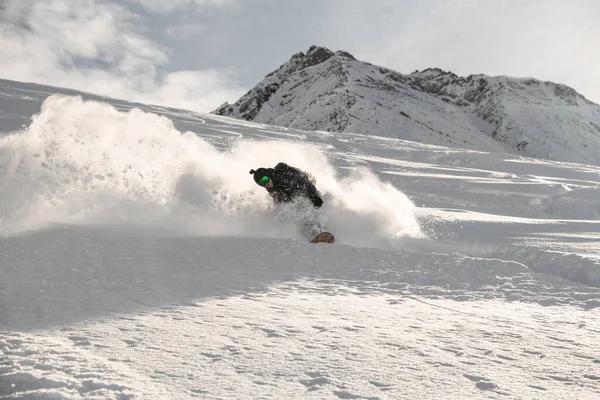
column 162, row 6
column 199, row 90
column 184, row 32
column 104, row 48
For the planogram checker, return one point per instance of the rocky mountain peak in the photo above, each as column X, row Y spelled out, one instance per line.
column 314, row 56
column 332, row 91
column 252, row 102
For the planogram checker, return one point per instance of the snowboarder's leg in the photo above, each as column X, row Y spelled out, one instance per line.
column 310, row 229
column 308, row 219
column 313, row 227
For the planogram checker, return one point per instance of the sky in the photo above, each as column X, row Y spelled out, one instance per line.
column 197, row 54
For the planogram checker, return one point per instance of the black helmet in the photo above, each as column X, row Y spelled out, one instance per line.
column 259, row 174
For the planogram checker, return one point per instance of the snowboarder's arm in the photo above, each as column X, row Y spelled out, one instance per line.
column 313, row 195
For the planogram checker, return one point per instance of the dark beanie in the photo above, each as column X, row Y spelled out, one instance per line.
column 259, row 173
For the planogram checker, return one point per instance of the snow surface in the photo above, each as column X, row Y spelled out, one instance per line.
column 140, row 260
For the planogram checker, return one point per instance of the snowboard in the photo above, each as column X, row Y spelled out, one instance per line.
column 323, row 237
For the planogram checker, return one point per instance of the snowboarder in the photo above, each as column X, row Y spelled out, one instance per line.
column 287, row 184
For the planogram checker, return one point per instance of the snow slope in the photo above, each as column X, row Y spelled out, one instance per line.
column 323, row 90
column 140, row 260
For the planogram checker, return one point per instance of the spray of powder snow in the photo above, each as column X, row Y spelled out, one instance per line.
column 84, row 162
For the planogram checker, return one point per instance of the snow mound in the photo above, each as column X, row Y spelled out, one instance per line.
column 580, row 203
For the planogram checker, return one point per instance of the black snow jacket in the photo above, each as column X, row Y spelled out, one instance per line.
column 290, row 183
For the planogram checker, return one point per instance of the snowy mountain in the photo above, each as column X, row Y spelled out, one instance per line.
column 323, row 90
column 139, row 260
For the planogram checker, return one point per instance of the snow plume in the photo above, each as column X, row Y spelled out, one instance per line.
column 84, row 162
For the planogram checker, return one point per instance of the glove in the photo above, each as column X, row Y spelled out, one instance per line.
column 316, row 200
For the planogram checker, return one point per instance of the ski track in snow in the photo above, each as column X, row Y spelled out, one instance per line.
column 497, row 297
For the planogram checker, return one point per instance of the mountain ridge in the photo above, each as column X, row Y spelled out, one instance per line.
column 335, row 92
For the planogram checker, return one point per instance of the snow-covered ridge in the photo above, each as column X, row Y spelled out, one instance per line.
column 332, row 91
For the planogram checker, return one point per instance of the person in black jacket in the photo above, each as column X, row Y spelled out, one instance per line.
column 290, row 185
column 286, row 184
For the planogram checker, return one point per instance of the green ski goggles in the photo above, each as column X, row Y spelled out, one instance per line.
column 263, row 181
